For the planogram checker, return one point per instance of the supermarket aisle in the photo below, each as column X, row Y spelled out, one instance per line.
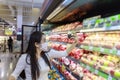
column 7, row 64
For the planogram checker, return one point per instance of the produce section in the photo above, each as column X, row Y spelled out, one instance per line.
column 55, row 75
column 102, row 66
column 97, row 52
column 67, row 27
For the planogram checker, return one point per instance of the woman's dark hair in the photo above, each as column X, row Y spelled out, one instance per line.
column 35, row 37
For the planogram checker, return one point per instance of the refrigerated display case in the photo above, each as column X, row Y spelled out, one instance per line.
column 97, row 53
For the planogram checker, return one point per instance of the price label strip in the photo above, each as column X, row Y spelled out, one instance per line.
column 109, row 77
column 102, row 49
column 91, row 48
column 118, row 52
column 88, row 67
column 96, row 71
column 111, row 51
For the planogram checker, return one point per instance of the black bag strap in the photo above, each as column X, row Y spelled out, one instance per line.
column 49, row 60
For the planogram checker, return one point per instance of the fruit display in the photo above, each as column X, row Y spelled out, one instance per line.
column 61, row 38
column 64, row 38
column 76, row 53
column 98, row 54
column 63, row 70
column 58, row 47
column 75, row 25
column 108, row 63
column 55, row 75
column 108, row 40
column 75, row 68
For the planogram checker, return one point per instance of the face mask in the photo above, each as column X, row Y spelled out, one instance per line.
column 44, row 47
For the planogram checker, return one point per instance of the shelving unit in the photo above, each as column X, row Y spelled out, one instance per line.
column 99, row 42
column 93, row 70
column 75, row 75
column 63, row 74
column 101, row 49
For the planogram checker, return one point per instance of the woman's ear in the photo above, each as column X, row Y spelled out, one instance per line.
column 37, row 44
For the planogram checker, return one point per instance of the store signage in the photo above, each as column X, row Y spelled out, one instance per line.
column 8, row 31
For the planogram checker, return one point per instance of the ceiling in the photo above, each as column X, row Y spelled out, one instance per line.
column 81, row 9
column 31, row 10
column 77, row 10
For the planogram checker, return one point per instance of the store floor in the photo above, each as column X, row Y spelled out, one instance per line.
column 7, row 64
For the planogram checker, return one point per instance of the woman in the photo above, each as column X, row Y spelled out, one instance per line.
column 35, row 62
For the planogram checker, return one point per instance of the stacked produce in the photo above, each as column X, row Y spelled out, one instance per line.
column 61, row 38
column 107, row 63
column 64, row 38
column 107, row 40
column 55, row 75
column 76, row 53
column 63, row 70
column 75, row 68
column 67, row 27
column 104, row 62
column 58, row 47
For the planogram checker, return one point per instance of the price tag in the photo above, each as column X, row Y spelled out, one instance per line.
column 111, row 51
column 118, row 52
column 81, row 46
column 90, row 48
column 88, row 67
column 109, row 77
column 96, row 71
column 102, row 49
column 81, row 74
column 82, row 64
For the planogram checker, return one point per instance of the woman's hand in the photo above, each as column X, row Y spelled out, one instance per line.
column 12, row 78
column 70, row 47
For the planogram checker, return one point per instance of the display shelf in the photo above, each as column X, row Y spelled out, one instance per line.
column 62, row 72
column 97, row 72
column 61, row 76
column 75, row 75
column 101, row 49
column 111, row 28
column 97, row 49
column 59, row 71
column 65, row 32
column 100, row 73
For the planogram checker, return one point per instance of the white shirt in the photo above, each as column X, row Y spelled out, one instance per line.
column 44, row 68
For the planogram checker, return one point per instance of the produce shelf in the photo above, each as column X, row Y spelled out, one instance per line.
column 75, row 75
column 97, row 49
column 100, row 73
column 101, row 49
column 58, row 72
column 55, row 65
column 97, row 72
column 65, row 32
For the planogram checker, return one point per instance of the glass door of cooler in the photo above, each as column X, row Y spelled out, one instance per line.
column 26, row 31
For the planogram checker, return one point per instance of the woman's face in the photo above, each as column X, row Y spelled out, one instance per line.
column 39, row 45
column 43, row 44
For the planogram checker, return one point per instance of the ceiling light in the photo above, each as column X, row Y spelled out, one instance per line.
column 62, row 6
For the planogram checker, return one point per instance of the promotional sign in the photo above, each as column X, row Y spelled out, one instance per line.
column 8, row 31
